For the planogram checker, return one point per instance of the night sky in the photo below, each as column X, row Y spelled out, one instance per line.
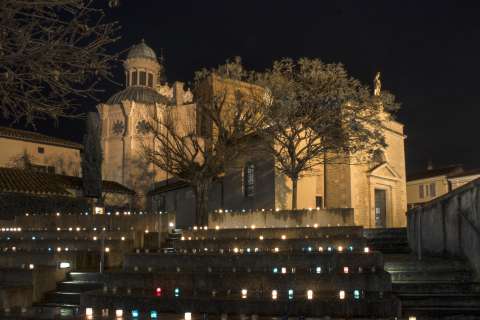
column 428, row 53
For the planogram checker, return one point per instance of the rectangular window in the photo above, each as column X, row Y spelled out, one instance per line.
column 421, row 194
column 433, row 191
column 319, row 201
column 41, row 150
column 426, row 191
column 150, row 80
column 249, row 176
column 143, row 78
column 134, row 78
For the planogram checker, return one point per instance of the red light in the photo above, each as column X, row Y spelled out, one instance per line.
column 158, row 292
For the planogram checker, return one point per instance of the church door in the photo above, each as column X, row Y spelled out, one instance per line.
column 380, row 208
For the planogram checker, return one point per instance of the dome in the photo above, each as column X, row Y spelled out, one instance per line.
column 138, row 94
column 141, row 50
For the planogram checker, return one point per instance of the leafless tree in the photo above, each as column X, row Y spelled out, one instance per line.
column 52, row 52
column 92, row 158
column 196, row 143
column 318, row 114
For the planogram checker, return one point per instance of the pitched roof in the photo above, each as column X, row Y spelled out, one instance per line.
column 444, row 171
column 31, row 136
column 31, row 182
column 465, row 173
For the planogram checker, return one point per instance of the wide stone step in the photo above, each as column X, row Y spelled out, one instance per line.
column 63, row 298
column 84, row 276
column 78, row 286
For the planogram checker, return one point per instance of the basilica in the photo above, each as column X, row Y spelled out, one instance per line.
column 376, row 191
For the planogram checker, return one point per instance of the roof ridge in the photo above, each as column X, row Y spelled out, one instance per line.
column 8, row 132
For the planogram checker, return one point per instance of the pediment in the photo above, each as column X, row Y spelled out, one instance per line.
column 385, row 171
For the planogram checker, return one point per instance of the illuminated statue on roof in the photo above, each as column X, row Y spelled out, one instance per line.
column 377, row 85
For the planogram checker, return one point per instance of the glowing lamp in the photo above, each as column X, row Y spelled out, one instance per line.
column 284, row 237
column 309, row 294
column 122, row 238
column 261, row 237
column 275, row 270
column 244, row 293
column 235, row 250
column 171, row 224
column 217, row 227
column 188, row 316
column 158, row 292
column 284, row 270
column 290, row 294
column 274, row 294
column 89, row 312
column 345, row 269
column 64, row 265
column 107, row 249
column 341, row 294
column 31, row 266
column 176, row 292
column 253, row 227
column 276, row 249
column 329, row 249
column 59, row 249
column 356, row 294
column 366, row 249
column 135, row 313
column 340, row 249
column 320, row 249
column 95, row 238
column 119, row 313
column 412, row 318
column 153, row 314
column 318, row 269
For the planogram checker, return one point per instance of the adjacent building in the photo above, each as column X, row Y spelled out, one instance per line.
column 435, row 182
column 376, row 191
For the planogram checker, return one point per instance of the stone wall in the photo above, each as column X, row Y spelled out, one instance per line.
column 449, row 225
column 282, row 219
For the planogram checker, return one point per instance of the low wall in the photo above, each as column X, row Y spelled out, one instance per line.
column 282, row 219
column 449, row 225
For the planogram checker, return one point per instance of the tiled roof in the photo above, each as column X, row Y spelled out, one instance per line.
column 26, row 181
column 23, row 181
column 138, row 94
column 445, row 171
column 31, row 136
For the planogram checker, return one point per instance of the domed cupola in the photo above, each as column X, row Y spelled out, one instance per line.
column 141, row 66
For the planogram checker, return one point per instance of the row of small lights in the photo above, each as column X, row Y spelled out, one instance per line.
column 237, row 250
column 78, row 229
column 50, row 249
column 257, row 210
column 135, row 314
column 253, row 227
column 117, row 213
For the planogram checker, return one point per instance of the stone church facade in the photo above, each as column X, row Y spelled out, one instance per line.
column 376, row 191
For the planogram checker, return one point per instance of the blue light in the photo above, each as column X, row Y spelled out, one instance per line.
column 356, row 294
column 153, row 314
column 275, row 270
column 350, row 248
column 49, row 249
column 176, row 292
column 135, row 313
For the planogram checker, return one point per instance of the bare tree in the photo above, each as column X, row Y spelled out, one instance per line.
column 196, row 145
column 319, row 114
column 92, row 158
column 51, row 53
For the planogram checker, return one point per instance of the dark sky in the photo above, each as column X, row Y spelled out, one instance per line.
column 428, row 53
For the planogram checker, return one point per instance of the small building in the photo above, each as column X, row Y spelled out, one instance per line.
column 39, row 152
column 433, row 183
column 23, row 191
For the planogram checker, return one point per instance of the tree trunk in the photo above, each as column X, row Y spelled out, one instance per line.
column 294, row 193
column 201, row 204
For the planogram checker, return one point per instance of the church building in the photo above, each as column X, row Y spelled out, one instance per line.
column 376, row 191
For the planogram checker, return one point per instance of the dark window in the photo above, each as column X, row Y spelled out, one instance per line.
column 161, row 203
column 143, row 78
column 150, row 80
column 433, row 191
column 420, row 191
column 249, row 179
column 42, row 169
column 41, row 150
column 50, row 169
column 319, row 201
column 127, row 76
column 134, row 78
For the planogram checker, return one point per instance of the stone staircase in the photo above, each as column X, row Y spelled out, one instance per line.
column 433, row 287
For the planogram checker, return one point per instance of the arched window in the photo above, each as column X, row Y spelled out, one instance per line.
column 134, row 78
column 249, row 179
column 143, row 78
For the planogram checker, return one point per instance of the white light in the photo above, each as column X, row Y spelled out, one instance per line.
column 217, row 227
column 195, row 228
column 58, row 229
column 182, row 238
column 345, row 269
column 59, row 249
column 89, row 312
column 340, row 248
column 107, row 249
column 31, row 266
column 188, row 316
column 341, row 294
column 274, row 294
column 235, row 250
column 64, row 265
column 276, row 249
column 319, row 269
column 119, row 313
column 256, row 250
column 123, row 238
column 146, row 231
column 320, row 249
column 284, row 270
column 309, row 294
column 78, row 228
column 284, row 237
column 412, row 318
column 95, row 238
column 315, row 225
column 244, row 293
column 366, row 249
column 253, row 227
column 58, row 214
column 171, row 225
column 205, row 228
column 277, row 209
column 261, row 237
